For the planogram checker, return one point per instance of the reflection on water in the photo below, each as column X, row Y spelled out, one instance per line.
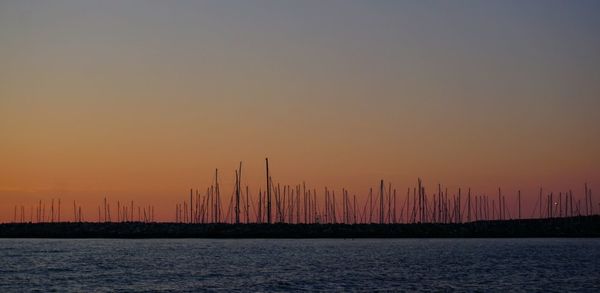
column 308, row 264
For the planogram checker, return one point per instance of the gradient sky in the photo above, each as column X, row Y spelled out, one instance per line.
column 141, row 100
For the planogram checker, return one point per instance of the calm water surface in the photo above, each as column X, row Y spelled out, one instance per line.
column 293, row 265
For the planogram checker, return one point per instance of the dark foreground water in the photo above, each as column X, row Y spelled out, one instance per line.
column 309, row 264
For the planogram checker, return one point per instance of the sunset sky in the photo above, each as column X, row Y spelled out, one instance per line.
column 142, row 100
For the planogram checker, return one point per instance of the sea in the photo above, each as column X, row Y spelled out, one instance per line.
column 281, row 265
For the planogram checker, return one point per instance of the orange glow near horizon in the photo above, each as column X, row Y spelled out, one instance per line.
column 162, row 191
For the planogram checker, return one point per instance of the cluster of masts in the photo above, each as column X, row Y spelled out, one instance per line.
column 300, row 204
column 52, row 214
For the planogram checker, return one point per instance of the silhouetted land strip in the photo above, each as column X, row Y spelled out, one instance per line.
column 588, row 226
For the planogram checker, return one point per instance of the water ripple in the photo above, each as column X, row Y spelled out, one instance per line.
column 191, row 265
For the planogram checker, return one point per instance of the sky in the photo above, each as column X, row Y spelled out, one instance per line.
column 142, row 100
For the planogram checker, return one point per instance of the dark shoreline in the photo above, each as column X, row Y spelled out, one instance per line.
column 588, row 226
